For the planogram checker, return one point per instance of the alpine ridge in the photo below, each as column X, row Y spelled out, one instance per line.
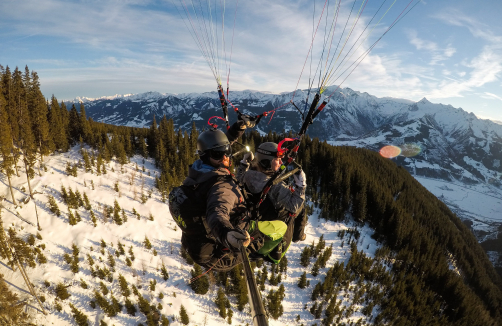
column 453, row 144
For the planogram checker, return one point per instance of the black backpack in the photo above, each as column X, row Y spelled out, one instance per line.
column 187, row 205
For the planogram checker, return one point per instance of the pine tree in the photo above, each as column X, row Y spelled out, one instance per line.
column 83, row 284
column 64, row 194
column 99, row 163
column 143, row 149
column 302, row 284
column 16, row 102
column 57, row 126
column 116, row 213
column 90, row 260
column 61, row 291
column 11, row 309
column 78, row 198
column 315, row 269
column 163, row 271
column 305, row 256
column 65, row 118
column 239, row 287
column 124, row 216
column 153, row 283
column 184, row 316
column 93, row 219
column 123, row 286
column 74, row 128
column 164, row 321
column 135, row 213
column 221, row 302
column 80, row 318
column 53, row 206
column 103, row 288
column 152, row 138
column 230, row 314
column 201, row 285
column 111, row 261
column 72, row 199
column 103, row 304
column 120, row 249
column 131, row 253
column 78, row 218
column 274, row 303
column 25, row 139
column 87, row 161
column 86, row 131
column 116, row 306
column 6, row 146
column 75, row 260
column 71, row 218
column 147, row 243
column 87, row 204
column 39, row 112
column 194, row 135
column 130, row 308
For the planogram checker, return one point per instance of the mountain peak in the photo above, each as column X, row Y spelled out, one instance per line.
column 424, row 101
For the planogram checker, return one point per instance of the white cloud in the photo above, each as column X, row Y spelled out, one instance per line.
column 438, row 54
column 478, row 29
column 492, row 96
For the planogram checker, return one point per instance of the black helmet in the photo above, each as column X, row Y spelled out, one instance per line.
column 266, row 152
column 215, row 143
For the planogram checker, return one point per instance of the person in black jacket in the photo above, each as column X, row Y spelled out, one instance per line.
column 225, row 202
column 283, row 203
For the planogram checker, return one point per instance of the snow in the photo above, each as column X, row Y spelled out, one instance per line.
column 481, row 203
column 196, row 116
column 58, row 237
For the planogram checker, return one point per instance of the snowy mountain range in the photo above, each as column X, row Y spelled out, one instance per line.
column 435, row 141
column 445, row 142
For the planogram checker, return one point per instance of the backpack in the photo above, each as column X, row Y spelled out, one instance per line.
column 187, row 205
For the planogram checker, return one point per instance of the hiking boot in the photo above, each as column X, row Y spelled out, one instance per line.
column 301, row 238
column 254, row 256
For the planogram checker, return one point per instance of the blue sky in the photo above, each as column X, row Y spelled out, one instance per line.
column 448, row 51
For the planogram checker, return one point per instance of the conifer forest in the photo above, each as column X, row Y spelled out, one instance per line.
column 122, row 262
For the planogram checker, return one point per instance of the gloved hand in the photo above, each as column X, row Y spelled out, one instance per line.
column 300, row 179
column 247, row 158
column 235, row 237
column 247, row 121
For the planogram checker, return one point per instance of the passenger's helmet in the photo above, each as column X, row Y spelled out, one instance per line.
column 266, row 152
column 213, row 143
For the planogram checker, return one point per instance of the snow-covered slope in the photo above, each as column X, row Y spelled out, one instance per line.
column 58, row 236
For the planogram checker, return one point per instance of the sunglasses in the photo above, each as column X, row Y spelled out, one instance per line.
column 218, row 152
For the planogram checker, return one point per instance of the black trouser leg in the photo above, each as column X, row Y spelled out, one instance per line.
column 209, row 254
column 300, row 224
column 278, row 251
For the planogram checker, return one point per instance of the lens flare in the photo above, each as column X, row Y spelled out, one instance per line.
column 410, row 150
column 390, row 151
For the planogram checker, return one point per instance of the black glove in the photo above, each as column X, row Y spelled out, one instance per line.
column 235, row 238
column 246, row 121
